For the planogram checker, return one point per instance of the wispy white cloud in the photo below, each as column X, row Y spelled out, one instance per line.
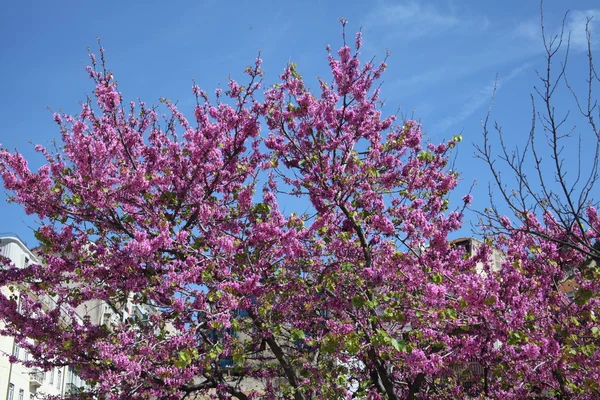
column 479, row 98
column 576, row 24
column 427, row 77
column 574, row 28
column 388, row 14
column 528, row 29
column 411, row 19
column 468, row 42
column 499, row 55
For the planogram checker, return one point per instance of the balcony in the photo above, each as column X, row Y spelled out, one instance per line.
column 72, row 388
column 141, row 314
column 36, row 379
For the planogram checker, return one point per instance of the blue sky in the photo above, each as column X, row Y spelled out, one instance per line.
column 445, row 56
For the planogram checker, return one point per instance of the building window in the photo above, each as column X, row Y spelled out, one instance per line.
column 21, row 394
column 16, row 351
column 59, row 379
column 51, row 376
column 11, row 391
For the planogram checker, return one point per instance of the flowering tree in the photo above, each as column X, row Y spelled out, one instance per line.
column 545, row 176
column 357, row 294
column 552, row 244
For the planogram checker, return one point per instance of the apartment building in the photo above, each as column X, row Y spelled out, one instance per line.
column 18, row 382
column 471, row 246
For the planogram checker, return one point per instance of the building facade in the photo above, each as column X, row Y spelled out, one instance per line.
column 18, row 382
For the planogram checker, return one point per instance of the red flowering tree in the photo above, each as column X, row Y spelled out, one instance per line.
column 356, row 294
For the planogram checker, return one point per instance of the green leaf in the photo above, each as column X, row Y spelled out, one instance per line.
column 215, row 352
column 450, row 313
column 346, row 266
column 588, row 350
column 261, row 208
column 399, row 345
column 515, row 338
column 490, row 301
column 358, row 301
column 184, row 355
column 372, row 304
column 329, row 344
column 239, row 359
column 583, row 296
column 297, row 334
column 352, row 343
